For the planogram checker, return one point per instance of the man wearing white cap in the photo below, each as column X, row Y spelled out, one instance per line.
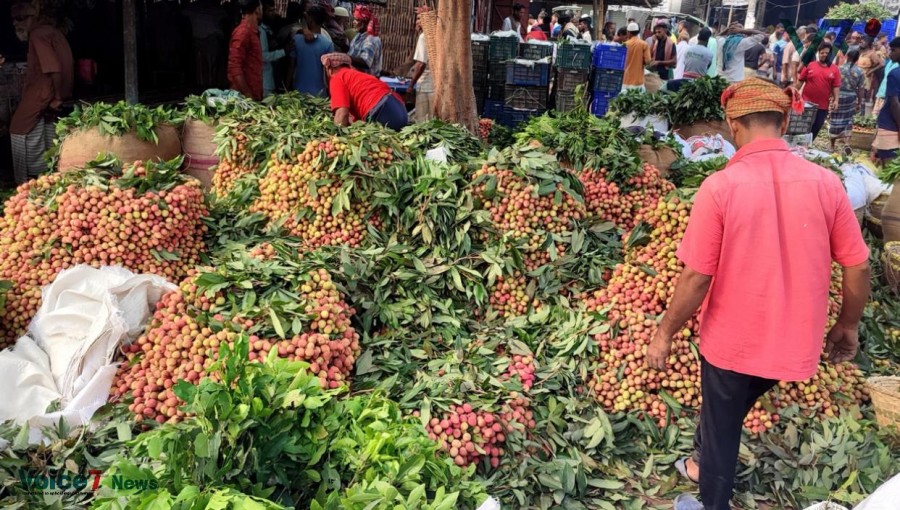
column 342, row 16
column 637, row 56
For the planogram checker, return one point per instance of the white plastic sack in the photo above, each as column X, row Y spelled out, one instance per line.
column 438, row 154
column 490, row 504
column 480, row 37
column 85, row 314
column 703, row 145
column 884, row 498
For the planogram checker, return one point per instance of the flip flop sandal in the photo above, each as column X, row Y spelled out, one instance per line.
column 681, row 466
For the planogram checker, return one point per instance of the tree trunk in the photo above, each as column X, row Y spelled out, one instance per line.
column 454, row 96
column 599, row 18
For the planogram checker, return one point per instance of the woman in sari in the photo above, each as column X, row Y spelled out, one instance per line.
column 849, row 101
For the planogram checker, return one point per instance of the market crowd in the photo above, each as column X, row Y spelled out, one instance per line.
column 859, row 77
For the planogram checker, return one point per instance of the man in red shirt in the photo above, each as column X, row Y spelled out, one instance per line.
column 245, row 59
column 48, row 82
column 821, row 85
column 757, row 252
column 356, row 95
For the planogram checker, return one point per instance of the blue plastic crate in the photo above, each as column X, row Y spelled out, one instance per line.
column 493, row 109
column 610, row 56
column 608, row 81
column 512, row 117
column 600, row 103
column 537, row 75
column 889, row 27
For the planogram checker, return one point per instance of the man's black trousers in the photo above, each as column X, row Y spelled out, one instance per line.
column 727, row 398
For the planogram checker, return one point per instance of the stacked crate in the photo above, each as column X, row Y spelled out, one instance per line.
column 500, row 51
column 527, row 83
column 573, row 68
column 527, row 90
column 607, row 73
column 480, row 49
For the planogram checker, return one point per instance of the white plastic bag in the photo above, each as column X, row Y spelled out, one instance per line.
column 85, row 314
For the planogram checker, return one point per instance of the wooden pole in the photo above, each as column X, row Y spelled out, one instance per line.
column 599, row 17
column 129, row 23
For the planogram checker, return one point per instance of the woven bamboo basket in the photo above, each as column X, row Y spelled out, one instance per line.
column 885, row 393
column 873, row 215
column 429, row 22
column 891, row 262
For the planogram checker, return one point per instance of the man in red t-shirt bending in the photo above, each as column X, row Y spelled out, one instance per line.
column 757, row 253
column 361, row 96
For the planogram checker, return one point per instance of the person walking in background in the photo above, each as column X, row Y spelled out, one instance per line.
column 754, row 54
column 680, row 53
column 342, row 16
column 663, row 52
column 821, row 85
column 609, row 31
column 697, row 60
column 790, row 58
column 871, row 63
column 513, row 21
column 757, row 331
column 356, row 95
column 584, row 29
column 637, row 55
column 887, row 135
column 536, row 34
column 850, row 101
column 245, row 61
column 889, row 66
column 365, row 48
column 422, row 74
column 309, row 47
column 269, row 57
column 49, row 76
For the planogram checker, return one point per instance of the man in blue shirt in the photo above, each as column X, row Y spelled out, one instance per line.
column 887, row 137
column 269, row 57
column 309, row 46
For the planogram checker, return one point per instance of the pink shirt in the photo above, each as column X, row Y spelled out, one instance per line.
column 767, row 228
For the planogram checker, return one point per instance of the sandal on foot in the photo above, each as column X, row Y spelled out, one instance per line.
column 681, row 466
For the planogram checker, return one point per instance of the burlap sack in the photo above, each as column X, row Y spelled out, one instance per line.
column 890, row 215
column 200, row 157
column 661, row 158
column 82, row 146
column 653, row 83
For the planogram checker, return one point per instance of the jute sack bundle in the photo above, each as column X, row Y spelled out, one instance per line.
column 200, row 157
column 890, row 215
column 653, row 83
column 662, row 158
column 82, row 146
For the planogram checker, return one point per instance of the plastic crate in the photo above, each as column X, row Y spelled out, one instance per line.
column 565, row 101
column 889, row 27
column 512, row 117
column 496, row 87
column 537, row 74
column 600, row 103
column 527, row 98
column 567, row 80
column 493, row 109
column 801, row 124
column 480, row 51
column 502, row 49
column 607, row 81
column 608, row 56
column 533, row 51
column 574, row 56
